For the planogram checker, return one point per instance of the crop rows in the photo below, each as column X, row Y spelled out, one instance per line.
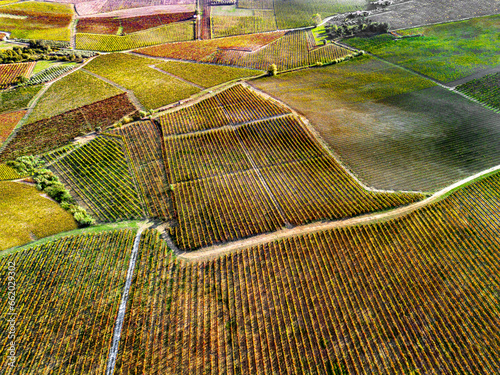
column 300, row 180
column 290, row 50
column 174, row 32
column 144, row 145
column 111, row 25
column 485, row 89
column 294, row 50
column 202, row 50
column 56, row 154
column 8, row 173
column 212, row 153
column 255, row 4
column 235, row 105
column 67, row 294
column 99, row 175
column 45, row 135
column 10, row 73
column 291, row 14
column 262, row 20
column 414, row 295
column 205, row 114
column 321, row 189
column 223, row 208
column 285, row 136
column 50, row 74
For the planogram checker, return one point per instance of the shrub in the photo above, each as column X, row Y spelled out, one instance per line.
column 273, row 70
column 26, row 165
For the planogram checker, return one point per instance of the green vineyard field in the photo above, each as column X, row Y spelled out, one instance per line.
column 98, row 174
column 485, row 89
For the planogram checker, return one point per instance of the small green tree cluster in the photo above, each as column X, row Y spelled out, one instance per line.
column 38, row 50
column 26, row 165
column 362, row 26
column 49, row 183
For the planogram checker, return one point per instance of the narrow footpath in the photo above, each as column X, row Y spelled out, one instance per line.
column 123, row 305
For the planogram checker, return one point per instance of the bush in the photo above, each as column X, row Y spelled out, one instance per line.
column 26, row 165
column 273, row 70
column 58, row 192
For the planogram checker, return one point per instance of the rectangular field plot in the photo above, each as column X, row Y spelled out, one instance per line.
column 486, row 90
column 229, row 20
column 279, row 140
column 203, row 115
column 67, row 294
column 98, row 174
column 235, row 105
column 143, row 141
column 319, row 188
column 242, row 104
column 211, row 153
column 221, row 209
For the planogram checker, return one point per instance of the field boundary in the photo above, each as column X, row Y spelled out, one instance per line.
column 305, row 121
column 130, row 93
column 34, row 101
column 217, row 250
column 176, row 77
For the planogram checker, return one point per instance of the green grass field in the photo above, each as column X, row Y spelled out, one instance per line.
column 18, row 98
column 37, row 20
column 153, row 88
column 446, row 52
column 70, row 92
column 26, row 215
column 206, row 75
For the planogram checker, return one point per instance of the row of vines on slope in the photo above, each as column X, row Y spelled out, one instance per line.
column 238, row 104
column 262, row 161
column 45, row 135
column 67, row 296
column 418, row 294
column 98, row 174
column 144, row 145
column 292, row 50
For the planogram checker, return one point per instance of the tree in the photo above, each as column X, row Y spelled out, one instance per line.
column 273, row 70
